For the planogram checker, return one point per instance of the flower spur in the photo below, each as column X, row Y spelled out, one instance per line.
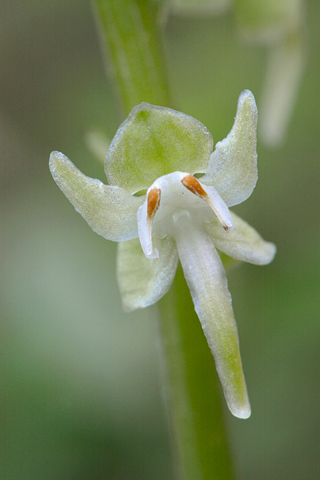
column 161, row 211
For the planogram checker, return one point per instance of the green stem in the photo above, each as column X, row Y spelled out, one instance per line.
column 130, row 35
column 132, row 40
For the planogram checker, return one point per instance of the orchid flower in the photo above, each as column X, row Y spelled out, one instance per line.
column 160, row 211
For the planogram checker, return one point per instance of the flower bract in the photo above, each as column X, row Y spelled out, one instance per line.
column 161, row 211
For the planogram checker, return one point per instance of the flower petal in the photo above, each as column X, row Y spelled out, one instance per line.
column 110, row 211
column 242, row 243
column 232, row 168
column 153, row 142
column 145, row 217
column 208, row 285
column 142, row 281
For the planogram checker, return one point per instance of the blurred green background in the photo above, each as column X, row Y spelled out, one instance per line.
column 80, row 392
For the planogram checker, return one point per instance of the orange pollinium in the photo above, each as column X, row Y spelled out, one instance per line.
column 153, row 204
column 192, row 184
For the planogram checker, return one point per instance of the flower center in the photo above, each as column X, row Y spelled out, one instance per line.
column 169, row 194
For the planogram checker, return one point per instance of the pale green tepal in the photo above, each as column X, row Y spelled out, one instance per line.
column 156, row 152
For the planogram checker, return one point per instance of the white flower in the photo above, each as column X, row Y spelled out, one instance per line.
column 179, row 217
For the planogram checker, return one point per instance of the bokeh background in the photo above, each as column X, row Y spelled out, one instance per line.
column 80, row 393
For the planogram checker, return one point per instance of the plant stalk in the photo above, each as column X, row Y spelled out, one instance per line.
column 131, row 38
column 130, row 35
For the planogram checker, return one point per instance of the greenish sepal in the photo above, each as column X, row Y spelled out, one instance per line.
column 232, row 168
column 110, row 211
column 142, row 281
column 243, row 243
column 155, row 141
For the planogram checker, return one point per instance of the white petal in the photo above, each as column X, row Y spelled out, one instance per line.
column 143, row 282
column 232, row 168
column 243, row 243
column 207, row 281
column 110, row 211
column 219, row 208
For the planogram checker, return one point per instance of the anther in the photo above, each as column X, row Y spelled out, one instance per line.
column 153, row 201
column 213, row 199
column 192, row 184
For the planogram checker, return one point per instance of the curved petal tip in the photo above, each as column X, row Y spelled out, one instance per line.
column 247, row 96
column 243, row 413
